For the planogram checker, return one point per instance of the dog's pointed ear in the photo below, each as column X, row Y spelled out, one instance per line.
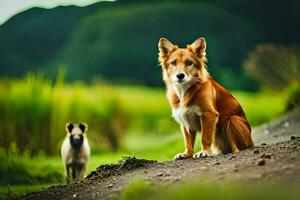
column 83, row 127
column 199, row 47
column 165, row 46
column 69, row 127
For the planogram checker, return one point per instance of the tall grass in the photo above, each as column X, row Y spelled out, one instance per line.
column 275, row 66
column 16, row 169
column 293, row 97
column 33, row 113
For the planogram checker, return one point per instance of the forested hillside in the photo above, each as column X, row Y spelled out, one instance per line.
column 117, row 41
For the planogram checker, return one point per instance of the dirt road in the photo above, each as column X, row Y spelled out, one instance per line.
column 275, row 157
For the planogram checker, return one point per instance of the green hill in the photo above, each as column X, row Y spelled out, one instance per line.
column 34, row 38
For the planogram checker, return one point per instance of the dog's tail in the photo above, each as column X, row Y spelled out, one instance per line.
column 239, row 133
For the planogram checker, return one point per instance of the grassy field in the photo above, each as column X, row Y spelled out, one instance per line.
column 207, row 189
column 38, row 109
column 7, row 192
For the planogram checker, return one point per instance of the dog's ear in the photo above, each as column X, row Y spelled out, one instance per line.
column 69, row 127
column 199, row 47
column 165, row 46
column 83, row 127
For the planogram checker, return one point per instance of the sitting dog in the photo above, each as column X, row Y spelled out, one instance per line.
column 200, row 104
column 75, row 151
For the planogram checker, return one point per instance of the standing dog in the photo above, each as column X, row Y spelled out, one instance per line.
column 200, row 104
column 75, row 151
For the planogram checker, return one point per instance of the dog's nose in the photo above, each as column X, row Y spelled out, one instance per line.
column 180, row 76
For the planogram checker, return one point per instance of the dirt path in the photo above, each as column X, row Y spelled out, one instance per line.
column 276, row 156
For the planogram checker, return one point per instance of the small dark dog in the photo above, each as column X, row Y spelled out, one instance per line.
column 75, row 151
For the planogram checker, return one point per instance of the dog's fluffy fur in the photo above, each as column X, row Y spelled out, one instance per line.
column 75, row 151
column 200, row 104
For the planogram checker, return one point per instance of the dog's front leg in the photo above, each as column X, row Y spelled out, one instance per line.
column 189, row 141
column 209, row 122
column 68, row 175
column 81, row 172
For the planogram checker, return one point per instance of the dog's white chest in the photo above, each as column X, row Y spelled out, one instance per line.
column 189, row 117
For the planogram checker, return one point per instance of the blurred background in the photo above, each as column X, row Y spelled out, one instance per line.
column 96, row 62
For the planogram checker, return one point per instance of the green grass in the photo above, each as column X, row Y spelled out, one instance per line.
column 37, row 172
column 33, row 112
column 148, row 130
column 262, row 107
column 16, row 169
column 148, row 147
column 207, row 189
column 156, row 147
column 13, row 191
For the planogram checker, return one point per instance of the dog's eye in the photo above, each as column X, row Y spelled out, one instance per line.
column 173, row 62
column 188, row 63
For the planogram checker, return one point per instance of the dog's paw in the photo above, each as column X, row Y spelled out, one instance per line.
column 202, row 154
column 235, row 151
column 181, row 156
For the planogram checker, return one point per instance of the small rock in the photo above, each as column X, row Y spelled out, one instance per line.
column 177, row 179
column 216, row 163
column 268, row 156
column 110, row 185
column 286, row 124
column 160, row 174
column 256, row 151
column 261, row 162
column 231, row 157
column 221, row 177
column 287, row 168
column 292, row 158
column 293, row 137
column 74, row 195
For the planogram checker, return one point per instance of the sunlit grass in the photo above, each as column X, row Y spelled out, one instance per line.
column 12, row 191
column 157, row 147
column 261, row 107
column 33, row 112
column 143, row 100
column 208, row 189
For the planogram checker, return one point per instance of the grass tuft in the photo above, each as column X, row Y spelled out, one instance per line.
column 205, row 189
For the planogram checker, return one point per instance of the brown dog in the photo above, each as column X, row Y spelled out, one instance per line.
column 200, row 104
